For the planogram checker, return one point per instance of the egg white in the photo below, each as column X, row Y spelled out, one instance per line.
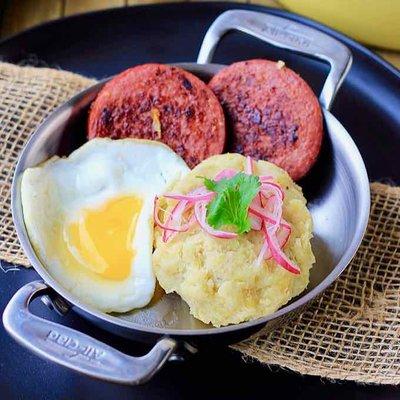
column 102, row 169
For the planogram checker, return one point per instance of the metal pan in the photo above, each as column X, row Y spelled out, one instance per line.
column 337, row 189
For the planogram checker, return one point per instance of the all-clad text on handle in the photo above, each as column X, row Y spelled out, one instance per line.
column 286, row 34
column 74, row 349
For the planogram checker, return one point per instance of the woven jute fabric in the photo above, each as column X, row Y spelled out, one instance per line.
column 27, row 96
column 352, row 331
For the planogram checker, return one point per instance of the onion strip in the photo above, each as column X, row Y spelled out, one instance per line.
column 225, row 174
column 191, row 198
column 200, row 213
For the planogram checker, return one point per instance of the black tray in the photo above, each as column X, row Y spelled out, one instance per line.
column 103, row 43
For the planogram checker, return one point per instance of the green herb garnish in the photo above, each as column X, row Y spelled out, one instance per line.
column 231, row 204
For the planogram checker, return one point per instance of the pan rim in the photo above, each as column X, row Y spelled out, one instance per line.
column 122, row 323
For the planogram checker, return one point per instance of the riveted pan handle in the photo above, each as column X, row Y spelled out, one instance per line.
column 74, row 349
column 282, row 32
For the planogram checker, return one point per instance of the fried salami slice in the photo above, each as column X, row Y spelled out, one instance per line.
column 273, row 113
column 164, row 103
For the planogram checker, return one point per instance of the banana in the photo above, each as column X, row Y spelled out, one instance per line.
column 373, row 22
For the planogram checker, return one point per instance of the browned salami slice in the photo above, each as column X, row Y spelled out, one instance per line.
column 273, row 113
column 160, row 102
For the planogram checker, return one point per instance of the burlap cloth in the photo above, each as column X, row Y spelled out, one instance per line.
column 351, row 332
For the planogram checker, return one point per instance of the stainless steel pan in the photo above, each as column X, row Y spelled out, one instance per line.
column 337, row 189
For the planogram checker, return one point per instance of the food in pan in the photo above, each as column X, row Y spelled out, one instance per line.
column 272, row 112
column 233, row 239
column 89, row 218
column 164, row 103
column 232, row 235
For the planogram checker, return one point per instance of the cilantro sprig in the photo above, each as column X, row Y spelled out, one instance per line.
column 231, row 204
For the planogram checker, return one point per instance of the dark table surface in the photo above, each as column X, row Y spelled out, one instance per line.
column 216, row 375
column 101, row 44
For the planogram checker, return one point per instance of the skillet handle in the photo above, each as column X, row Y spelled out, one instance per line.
column 74, row 349
column 287, row 34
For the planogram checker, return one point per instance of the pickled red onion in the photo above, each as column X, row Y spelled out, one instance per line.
column 271, row 187
column 191, row 198
column 265, row 178
column 262, row 213
column 171, row 225
column 256, row 221
column 265, row 213
column 279, row 256
column 249, row 168
column 200, row 213
column 282, row 235
column 165, row 225
column 225, row 174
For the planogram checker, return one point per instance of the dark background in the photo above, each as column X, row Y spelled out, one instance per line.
column 104, row 43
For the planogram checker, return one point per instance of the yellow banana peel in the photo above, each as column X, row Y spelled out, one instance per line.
column 374, row 22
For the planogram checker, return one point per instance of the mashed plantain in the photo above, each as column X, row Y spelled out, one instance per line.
column 219, row 278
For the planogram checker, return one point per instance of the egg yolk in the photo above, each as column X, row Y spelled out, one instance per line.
column 101, row 239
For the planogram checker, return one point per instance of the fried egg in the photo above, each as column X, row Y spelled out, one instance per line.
column 89, row 218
